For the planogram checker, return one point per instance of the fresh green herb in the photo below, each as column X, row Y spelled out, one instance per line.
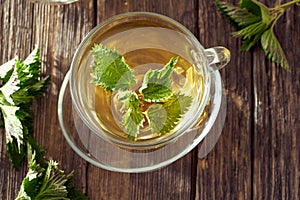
column 47, row 182
column 157, row 83
column 154, row 103
column 110, row 70
column 133, row 117
column 255, row 22
column 20, row 84
column 43, row 183
column 164, row 116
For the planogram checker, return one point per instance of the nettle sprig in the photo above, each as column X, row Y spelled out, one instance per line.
column 20, row 83
column 154, row 103
column 255, row 23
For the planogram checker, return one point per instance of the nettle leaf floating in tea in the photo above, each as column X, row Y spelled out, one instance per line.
column 133, row 117
column 163, row 117
column 157, row 83
column 110, row 70
column 154, row 104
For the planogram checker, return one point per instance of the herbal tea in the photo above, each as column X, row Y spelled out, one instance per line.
column 144, row 92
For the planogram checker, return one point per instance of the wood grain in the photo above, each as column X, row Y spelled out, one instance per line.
column 257, row 155
column 15, row 39
column 56, row 30
column 226, row 172
column 276, row 138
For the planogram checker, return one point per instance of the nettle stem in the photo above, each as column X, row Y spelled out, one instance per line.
column 278, row 11
column 286, row 5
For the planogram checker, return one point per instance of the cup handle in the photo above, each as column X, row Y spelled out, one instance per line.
column 217, row 57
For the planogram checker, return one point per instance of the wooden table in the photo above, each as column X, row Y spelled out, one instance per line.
column 257, row 155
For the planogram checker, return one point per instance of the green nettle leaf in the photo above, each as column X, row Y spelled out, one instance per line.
column 225, row 8
column 237, row 16
column 164, row 116
column 133, row 117
column 110, row 70
column 251, row 30
column 31, row 183
column 20, row 84
column 272, row 49
column 53, row 184
column 157, row 83
column 251, row 6
column 153, row 101
column 13, row 125
column 44, row 183
column 47, row 181
column 157, row 116
column 6, row 70
column 11, row 86
column 28, row 93
column 264, row 12
column 251, row 34
column 250, row 42
column 29, row 70
column 255, row 21
column 16, row 153
column 244, row 18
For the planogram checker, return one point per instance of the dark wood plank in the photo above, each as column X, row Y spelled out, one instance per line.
column 277, row 123
column 15, row 39
column 225, row 173
column 56, row 30
column 257, row 155
column 174, row 181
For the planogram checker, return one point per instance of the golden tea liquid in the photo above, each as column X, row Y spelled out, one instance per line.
column 145, row 46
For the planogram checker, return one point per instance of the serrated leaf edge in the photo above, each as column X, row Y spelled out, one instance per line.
column 273, row 49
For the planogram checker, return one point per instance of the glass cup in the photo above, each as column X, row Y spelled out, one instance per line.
column 147, row 41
